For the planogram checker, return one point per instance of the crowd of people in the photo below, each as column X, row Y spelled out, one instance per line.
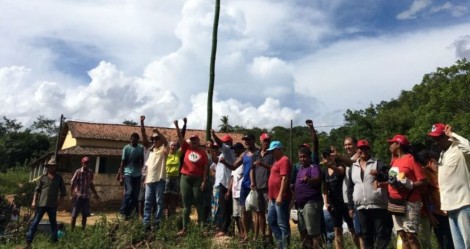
column 257, row 187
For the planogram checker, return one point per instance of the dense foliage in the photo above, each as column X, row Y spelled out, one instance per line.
column 441, row 97
column 18, row 145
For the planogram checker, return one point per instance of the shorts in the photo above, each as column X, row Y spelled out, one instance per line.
column 236, row 208
column 262, row 200
column 409, row 222
column 81, row 205
column 243, row 194
column 357, row 224
column 310, row 217
column 339, row 214
column 172, row 185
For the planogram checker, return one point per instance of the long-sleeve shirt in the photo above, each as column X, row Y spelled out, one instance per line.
column 454, row 174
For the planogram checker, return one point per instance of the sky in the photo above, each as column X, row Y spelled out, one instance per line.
column 277, row 60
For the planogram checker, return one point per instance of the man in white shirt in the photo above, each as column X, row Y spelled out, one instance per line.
column 454, row 181
column 222, row 202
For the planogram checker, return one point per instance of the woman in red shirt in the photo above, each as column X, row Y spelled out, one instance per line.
column 408, row 177
column 194, row 172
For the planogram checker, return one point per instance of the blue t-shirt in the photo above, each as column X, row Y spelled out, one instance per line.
column 247, row 162
column 134, row 157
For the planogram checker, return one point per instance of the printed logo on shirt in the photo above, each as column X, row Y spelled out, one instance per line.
column 194, row 157
column 393, row 171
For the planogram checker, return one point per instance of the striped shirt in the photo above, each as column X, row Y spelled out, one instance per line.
column 81, row 182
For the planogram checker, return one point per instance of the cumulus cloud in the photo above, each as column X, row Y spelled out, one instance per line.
column 462, row 47
column 107, row 61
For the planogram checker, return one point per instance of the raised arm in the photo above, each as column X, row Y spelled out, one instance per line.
column 178, row 133
column 313, row 136
column 216, row 138
column 145, row 140
column 183, row 130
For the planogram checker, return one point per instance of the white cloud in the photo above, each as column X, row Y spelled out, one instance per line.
column 107, row 61
column 416, row 7
column 454, row 10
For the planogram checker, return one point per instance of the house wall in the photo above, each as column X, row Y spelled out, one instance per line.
column 109, row 191
column 69, row 141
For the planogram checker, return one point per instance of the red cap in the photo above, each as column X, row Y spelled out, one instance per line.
column 363, row 143
column 226, row 138
column 399, row 139
column 305, row 145
column 437, row 130
column 85, row 159
column 264, row 136
column 194, row 136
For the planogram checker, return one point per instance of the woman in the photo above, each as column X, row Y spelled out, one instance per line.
column 172, row 186
column 333, row 175
column 193, row 177
column 406, row 179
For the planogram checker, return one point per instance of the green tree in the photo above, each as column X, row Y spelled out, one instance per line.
column 129, row 122
column 225, row 126
column 45, row 126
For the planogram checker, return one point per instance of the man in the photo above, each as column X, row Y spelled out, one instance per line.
column 454, row 181
column 130, row 173
column 45, row 201
column 279, row 195
column 80, row 186
column 155, row 176
column 222, row 201
column 370, row 202
column 259, row 182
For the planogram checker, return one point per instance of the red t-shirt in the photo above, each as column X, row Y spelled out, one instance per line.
column 279, row 169
column 194, row 161
column 413, row 171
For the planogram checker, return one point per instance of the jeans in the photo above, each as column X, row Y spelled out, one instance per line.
column 376, row 227
column 40, row 211
column 221, row 208
column 278, row 219
column 131, row 194
column 442, row 232
column 459, row 221
column 154, row 193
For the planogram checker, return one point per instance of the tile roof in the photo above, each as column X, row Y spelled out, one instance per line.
column 121, row 132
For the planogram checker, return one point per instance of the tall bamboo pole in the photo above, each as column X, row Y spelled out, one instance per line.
column 210, row 92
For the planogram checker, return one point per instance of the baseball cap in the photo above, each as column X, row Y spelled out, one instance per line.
column 363, row 143
column 226, row 138
column 305, row 145
column 194, row 136
column 437, row 130
column 85, row 159
column 249, row 137
column 51, row 162
column 275, row 145
column 264, row 136
column 399, row 139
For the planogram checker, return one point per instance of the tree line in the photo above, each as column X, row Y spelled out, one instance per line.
column 442, row 96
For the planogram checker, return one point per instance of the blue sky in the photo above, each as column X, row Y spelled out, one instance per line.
column 106, row 61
